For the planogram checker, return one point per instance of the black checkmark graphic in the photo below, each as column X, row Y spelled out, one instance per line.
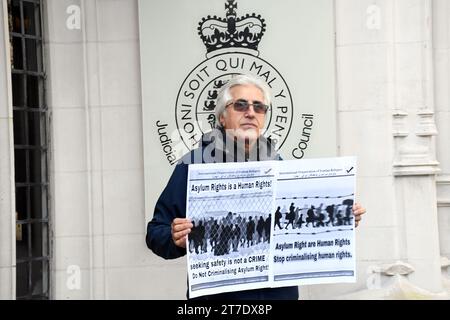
column 349, row 170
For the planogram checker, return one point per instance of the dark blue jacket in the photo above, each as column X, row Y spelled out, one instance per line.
column 172, row 204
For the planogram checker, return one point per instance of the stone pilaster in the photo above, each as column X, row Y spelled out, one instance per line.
column 414, row 131
column 7, row 202
column 441, row 54
column 386, row 86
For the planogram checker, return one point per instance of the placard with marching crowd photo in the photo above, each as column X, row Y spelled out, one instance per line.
column 270, row 224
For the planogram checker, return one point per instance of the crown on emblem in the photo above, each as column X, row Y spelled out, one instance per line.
column 220, row 33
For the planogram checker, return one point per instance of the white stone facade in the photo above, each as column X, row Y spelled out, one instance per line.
column 7, row 204
column 393, row 107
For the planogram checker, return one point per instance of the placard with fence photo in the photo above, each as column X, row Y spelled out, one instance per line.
column 270, row 224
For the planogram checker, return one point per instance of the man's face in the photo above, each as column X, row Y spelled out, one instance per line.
column 247, row 124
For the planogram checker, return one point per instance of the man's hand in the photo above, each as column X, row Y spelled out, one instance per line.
column 180, row 229
column 358, row 211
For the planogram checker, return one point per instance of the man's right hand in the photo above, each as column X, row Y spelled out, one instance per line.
column 180, row 229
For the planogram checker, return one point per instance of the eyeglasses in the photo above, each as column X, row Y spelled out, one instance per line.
column 242, row 105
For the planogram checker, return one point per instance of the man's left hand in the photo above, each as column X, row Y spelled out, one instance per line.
column 358, row 211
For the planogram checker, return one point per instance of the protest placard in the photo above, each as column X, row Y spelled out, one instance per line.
column 270, row 224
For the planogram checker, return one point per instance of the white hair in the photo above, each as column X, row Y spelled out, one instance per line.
column 224, row 95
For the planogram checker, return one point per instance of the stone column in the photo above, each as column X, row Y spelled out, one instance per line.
column 70, row 183
column 7, row 202
column 386, row 114
column 94, row 96
column 441, row 46
column 414, row 130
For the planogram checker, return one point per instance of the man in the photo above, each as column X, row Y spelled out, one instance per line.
column 241, row 110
